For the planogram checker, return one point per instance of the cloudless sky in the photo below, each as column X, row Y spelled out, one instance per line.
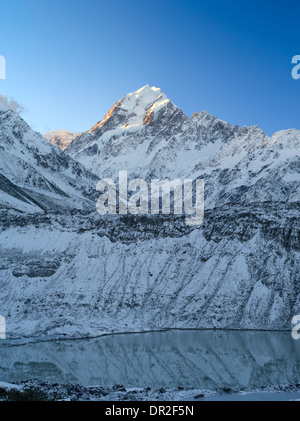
column 69, row 61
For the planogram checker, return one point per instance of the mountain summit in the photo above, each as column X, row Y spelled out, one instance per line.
column 129, row 131
column 134, row 110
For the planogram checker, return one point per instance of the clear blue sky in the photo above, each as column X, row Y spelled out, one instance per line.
column 68, row 61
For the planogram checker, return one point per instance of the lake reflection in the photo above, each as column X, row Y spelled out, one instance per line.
column 190, row 358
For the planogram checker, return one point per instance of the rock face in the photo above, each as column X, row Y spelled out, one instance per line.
column 74, row 273
column 61, row 138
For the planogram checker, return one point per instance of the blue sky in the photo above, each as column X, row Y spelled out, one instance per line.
column 68, row 61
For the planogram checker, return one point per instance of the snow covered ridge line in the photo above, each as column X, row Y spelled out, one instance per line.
column 158, row 197
column 2, row 67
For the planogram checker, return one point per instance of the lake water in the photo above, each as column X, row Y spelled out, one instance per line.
column 188, row 358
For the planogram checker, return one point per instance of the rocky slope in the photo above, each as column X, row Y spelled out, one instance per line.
column 34, row 390
column 63, row 276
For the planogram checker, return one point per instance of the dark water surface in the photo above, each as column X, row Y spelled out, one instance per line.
column 188, row 358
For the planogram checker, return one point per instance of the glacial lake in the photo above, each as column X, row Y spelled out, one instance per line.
column 188, row 358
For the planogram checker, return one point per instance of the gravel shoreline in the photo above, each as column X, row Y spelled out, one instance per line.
column 38, row 390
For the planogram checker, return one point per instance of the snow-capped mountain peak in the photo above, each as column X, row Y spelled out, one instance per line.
column 144, row 98
column 134, row 110
column 130, row 125
column 61, row 138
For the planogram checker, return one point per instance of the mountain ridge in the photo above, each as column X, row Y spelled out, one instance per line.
column 36, row 174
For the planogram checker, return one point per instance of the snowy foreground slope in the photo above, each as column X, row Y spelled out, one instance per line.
column 66, row 271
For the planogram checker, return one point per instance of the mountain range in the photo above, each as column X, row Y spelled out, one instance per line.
column 148, row 136
column 67, row 271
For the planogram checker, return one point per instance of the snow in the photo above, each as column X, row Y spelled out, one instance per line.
column 61, row 138
column 10, row 386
